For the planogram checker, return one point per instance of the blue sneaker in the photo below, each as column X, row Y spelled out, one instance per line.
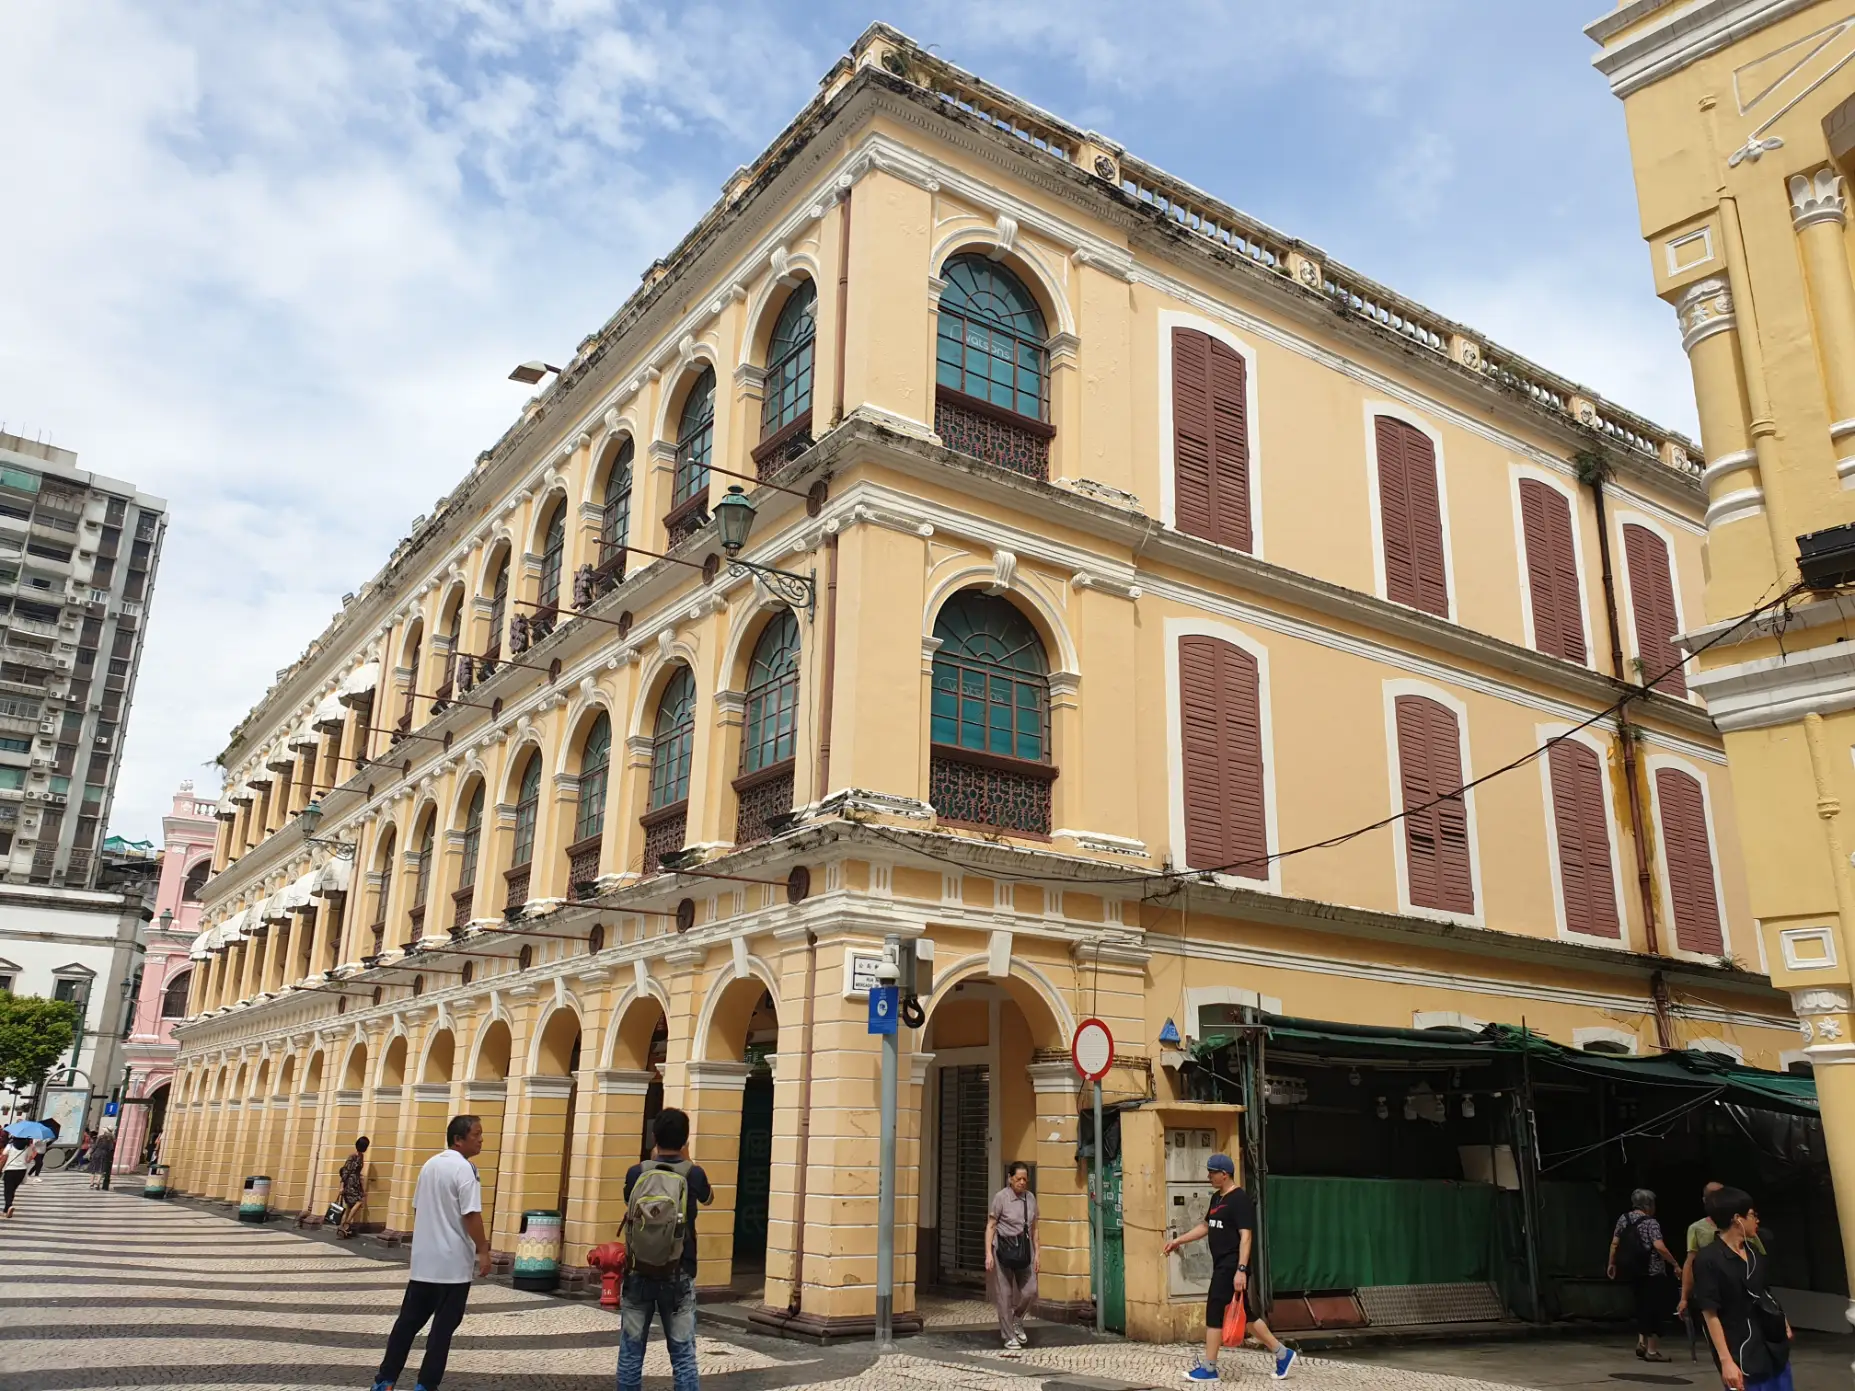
column 1283, row 1361
column 1201, row 1373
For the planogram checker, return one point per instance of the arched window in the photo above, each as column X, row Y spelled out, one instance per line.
column 195, row 884
column 594, row 764
column 464, row 897
column 414, row 655
column 768, row 744
column 174, row 998
column 673, row 738
column 991, row 339
column 990, row 717
column 615, row 513
column 388, row 844
column 788, row 399
column 499, row 604
column 421, row 885
column 527, row 809
column 695, row 444
column 553, row 550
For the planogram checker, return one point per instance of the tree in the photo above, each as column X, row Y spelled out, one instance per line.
column 33, row 1035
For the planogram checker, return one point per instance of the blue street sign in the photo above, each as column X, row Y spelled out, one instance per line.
column 110, row 1108
column 884, row 1000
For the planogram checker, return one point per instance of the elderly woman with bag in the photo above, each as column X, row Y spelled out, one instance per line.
column 1011, row 1256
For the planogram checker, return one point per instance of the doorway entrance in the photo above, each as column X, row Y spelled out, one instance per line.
column 965, row 1171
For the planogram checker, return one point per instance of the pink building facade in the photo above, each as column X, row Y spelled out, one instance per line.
column 187, row 833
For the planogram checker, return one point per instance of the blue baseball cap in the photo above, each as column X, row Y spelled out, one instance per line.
column 1220, row 1164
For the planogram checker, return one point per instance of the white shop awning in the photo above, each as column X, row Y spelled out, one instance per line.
column 333, row 878
column 281, row 759
column 304, row 739
column 202, row 946
column 330, row 716
column 227, row 810
column 358, row 688
column 242, row 795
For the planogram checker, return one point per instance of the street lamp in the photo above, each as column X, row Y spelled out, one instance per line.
column 734, row 519
column 167, row 919
column 309, row 818
column 531, row 372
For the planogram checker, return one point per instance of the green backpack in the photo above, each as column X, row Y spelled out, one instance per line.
column 656, row 1219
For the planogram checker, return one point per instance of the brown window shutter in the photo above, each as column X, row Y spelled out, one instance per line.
column 1220, row 700
column 1652, row 604
column 1436, row 837
column 1210, row 439
column 1411, row 517
column 1690, row 863
column 1552, row 571
column 1589, row 889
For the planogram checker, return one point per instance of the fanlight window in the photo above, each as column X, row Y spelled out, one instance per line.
column 772, row 696
column 991, row 680
column 695, row 441
column 673, row 740
column 594, row 766
column 991, row 338
column 615, row 516
column 527, row 807
column 789, row 361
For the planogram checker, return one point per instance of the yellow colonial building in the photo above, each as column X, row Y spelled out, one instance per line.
column 1742, row 127
column 1128, row 590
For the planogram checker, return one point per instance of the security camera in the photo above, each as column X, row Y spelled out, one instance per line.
column 887, row 973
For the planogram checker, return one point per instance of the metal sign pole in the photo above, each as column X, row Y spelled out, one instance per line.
column 885, row 1193
column 1101, row 1218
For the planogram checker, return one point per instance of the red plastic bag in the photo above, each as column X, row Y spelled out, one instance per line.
column 1236, row 1321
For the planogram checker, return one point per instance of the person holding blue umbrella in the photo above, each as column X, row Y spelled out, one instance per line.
column 19, row 1157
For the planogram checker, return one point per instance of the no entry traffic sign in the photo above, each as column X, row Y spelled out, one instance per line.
column 1092, row 1049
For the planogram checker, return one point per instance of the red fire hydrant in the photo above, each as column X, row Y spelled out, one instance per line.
column 609, row 1261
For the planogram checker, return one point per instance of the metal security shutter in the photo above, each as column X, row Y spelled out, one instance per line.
column 965, row 1174
column 1436, row 837
column 1220, row 706
column 1552, row 571
column 1210, row 439
column 1652, row 604
column 1584, row 840
column 1411, row 513
column 1690, row 863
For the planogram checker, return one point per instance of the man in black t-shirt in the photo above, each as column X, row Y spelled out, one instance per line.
column 1229, row 1227
column 673, row 1299
column 1748, row 1332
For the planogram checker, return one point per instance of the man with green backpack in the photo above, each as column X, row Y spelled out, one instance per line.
column 661, row 1194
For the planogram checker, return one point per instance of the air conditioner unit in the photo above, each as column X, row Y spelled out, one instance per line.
column 38, row 762
column 48, row 726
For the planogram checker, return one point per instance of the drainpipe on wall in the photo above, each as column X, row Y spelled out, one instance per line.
column 795, row 1301
column 1593, row 469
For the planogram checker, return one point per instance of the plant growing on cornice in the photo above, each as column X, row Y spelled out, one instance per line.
column 1593, row 466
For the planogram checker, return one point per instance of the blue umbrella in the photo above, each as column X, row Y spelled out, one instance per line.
column 31, row 1130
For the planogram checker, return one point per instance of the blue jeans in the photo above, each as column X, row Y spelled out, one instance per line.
column 674, row 1298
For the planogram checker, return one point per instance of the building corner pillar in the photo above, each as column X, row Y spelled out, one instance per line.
column 1824, row 1014
column 1819, row 214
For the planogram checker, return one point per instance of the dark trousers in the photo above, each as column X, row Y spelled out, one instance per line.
column 443, row 1306
column 12, row 1178
column 1651, row 1304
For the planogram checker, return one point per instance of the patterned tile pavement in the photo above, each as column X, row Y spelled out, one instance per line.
column 110, row 1290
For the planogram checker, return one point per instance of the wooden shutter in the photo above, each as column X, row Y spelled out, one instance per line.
column 1652, row 604
column 1210, row 439
column 1220, row 700
column 1588, row 886
column 1689, row 858
column 1411, row 516
column 1552, row 571
column 1436, row 837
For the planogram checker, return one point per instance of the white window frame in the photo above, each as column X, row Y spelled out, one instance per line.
column 1392, row 690
column 1515, row 473
column 1170, row 319
column 1374, row 505
column 1585, row 1037
column 1174, row 629
column 1612, row 831
column 1626, row 600
column 1670, row 945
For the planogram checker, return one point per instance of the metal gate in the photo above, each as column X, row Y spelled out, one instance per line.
column 754, row 1173
column 965, row 1171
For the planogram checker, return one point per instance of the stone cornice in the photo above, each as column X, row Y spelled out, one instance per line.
column 1683, row 36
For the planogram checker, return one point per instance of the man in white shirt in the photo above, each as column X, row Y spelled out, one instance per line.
column 449, row 1247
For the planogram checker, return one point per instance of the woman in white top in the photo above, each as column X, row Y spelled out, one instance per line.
column 19, row 1156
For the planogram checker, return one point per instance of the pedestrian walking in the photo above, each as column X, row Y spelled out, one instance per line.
column 82, row 1159
column 353, row 1188
column 1011, row 1254
column 449, row 1249
column 661, row 1194
column 1230, row 1227
column 1747, row 1329
column 1701, row 1233
column 1641, row 1259
column 102, row 1159
column 20, row 1153
column 43, row 1147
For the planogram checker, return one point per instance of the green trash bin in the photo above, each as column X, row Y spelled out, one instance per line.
column 255, row 1204
column 155, row 1185
column 537, row 1252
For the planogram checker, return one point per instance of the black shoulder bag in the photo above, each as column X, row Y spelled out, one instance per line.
column 1014, row 1252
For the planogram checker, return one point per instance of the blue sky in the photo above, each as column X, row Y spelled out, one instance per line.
column 274, row 260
